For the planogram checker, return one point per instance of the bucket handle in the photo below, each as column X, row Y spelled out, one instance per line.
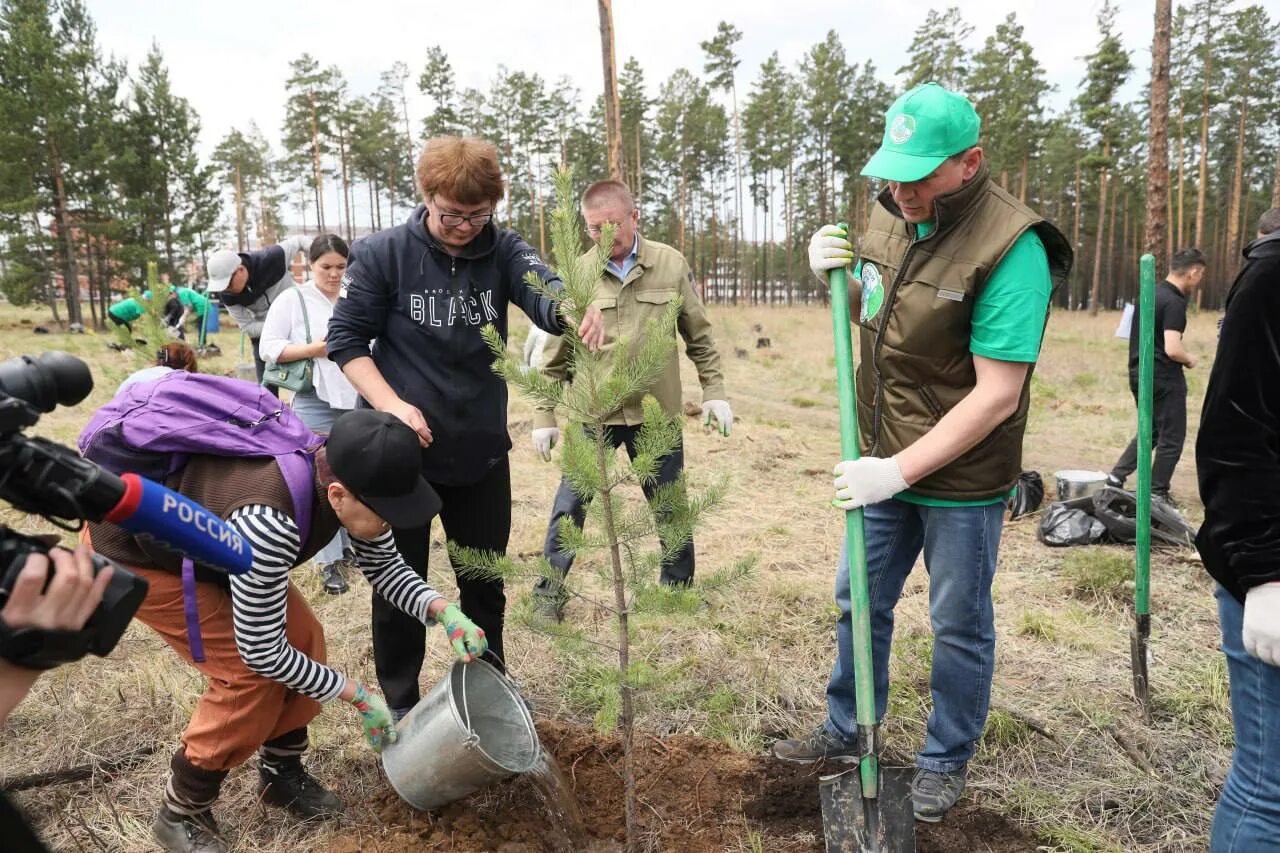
column 472, row 740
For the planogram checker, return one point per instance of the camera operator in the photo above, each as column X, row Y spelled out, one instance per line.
column 66, row 605
column 68, row 602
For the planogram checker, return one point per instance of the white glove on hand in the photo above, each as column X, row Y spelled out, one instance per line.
column 720, row 411
column 869, row 480
column 1262, row 623
column 545, row 438
column 829, row 249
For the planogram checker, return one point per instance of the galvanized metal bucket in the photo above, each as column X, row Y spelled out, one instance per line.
column 471, row 730
column 1079, row 484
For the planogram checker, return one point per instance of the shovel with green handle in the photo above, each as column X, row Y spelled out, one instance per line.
column 1139, row 650
column 887, row 824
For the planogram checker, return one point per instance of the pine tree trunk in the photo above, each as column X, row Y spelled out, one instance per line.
column 737, row 189
column 70, row 274
column 346, row 181
column 1204, row 147
column 1156, row 234
column 1232, row 254
column 316, row 173
column 241, row 237
column 1022, row 178
column 626, row 718
column 1111, row 250
column 1096, row 286
column 639, row 168
column 1182, row 160
column 1075, row 230
column 612, row 110
column 787, row 191
column 1275, row 187
column 373, row 208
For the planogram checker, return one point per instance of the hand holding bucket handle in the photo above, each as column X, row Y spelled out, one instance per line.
column 375, row 717
column 465, row 636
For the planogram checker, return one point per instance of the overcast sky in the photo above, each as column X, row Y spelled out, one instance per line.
column 230, row 58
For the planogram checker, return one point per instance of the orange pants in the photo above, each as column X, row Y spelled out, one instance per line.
column 239, row 709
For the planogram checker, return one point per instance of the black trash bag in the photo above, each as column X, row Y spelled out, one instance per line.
column 1069, row 523
column 1117, row 509
column 1027, row 495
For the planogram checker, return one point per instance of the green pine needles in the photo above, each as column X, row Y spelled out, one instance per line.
column 626, row 530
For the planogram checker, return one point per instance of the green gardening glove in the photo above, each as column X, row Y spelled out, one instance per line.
column 466, row 638
column 375, row 718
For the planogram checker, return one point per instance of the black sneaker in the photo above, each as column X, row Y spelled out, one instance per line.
column 286, row 783
column 331, row 576
column 820, row 745
column 1115, row 482
column 1166, row 499
column 180, row 833
column 933, row 793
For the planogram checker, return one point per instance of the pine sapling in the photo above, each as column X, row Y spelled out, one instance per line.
column 603, row 382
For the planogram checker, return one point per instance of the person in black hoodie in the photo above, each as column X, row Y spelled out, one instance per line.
column 1238, row 463
column 420, row 293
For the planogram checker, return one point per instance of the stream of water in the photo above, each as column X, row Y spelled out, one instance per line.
column 558, row 797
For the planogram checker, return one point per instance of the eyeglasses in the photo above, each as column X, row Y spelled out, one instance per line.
column 594, row 231
column 475, row 220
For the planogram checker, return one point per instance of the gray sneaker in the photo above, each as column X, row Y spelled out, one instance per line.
column 820, row 745
column 548, row 608
column 179, row 833
column 933, row 793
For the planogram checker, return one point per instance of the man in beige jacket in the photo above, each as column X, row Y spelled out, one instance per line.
column 638, row 282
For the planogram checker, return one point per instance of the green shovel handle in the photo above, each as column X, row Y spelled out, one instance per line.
column 1146, row 391
column 855, row 541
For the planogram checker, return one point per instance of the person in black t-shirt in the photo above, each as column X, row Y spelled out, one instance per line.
column 1169, row 407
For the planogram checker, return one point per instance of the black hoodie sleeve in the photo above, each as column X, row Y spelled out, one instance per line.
column 364, row 300
column 1238, row 449
column 519, row 259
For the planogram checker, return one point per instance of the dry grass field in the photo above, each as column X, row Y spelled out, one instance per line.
column 1065, row 753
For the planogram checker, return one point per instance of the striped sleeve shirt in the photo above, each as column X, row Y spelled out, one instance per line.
column 258, row 598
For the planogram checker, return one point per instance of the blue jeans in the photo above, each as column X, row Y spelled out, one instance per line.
column 959, row 545
column 1248, row 814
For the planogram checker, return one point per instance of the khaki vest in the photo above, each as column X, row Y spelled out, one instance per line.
column 916, row 365
column 222, row 484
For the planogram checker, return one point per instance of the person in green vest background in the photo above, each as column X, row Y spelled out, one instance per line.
column 952, row 279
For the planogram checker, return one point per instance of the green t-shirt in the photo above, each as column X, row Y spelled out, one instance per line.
column 126, row 310
column 1008, row 320
column 194, row 301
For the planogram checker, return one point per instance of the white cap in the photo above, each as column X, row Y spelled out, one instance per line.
column 222, row 265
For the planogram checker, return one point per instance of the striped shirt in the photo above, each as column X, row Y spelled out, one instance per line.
column 258, row 598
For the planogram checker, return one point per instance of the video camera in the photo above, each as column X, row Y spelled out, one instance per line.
column 41, row 477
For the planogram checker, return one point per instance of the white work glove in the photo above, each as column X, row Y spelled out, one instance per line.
column 829, row 249
column 545, row 438
column 865, row 481
column 1262, row 622
column 720, row 411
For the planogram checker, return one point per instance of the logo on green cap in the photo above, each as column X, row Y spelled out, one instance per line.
column 902, row 129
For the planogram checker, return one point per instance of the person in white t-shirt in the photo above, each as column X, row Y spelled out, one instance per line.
column 285, row 332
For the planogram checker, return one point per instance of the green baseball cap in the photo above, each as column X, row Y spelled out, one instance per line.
column 923, row 127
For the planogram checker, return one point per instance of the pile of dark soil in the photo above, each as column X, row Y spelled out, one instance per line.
column 697, row 796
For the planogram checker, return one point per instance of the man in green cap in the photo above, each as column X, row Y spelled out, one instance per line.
column 952, row 280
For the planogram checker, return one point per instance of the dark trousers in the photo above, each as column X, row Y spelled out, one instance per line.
column 568, row 504
column 261, row 367
column 478, row 516
column 1169, row 432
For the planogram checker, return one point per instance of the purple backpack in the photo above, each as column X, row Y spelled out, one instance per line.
column 151, row 428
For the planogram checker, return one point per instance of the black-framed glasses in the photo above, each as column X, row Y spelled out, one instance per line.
column 475, row 220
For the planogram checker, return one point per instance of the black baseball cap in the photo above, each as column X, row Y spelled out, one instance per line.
column 378, row 458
